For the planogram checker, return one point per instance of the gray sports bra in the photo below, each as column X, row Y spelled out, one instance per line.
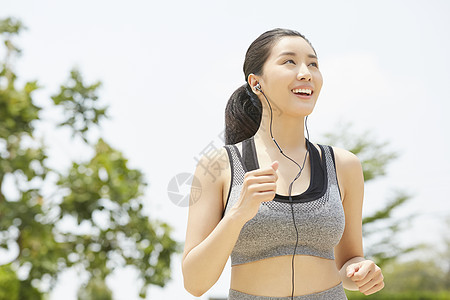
column 320, row 219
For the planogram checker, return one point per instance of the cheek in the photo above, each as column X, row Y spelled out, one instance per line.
column 318, row 80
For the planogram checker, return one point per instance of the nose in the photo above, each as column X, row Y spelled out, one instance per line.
column 304, row 73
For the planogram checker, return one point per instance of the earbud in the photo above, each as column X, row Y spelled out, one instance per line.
column 258, row 87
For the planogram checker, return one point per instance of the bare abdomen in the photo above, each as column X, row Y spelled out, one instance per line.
column 273, row 276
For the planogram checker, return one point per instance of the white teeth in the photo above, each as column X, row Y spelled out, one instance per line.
column 306, row 91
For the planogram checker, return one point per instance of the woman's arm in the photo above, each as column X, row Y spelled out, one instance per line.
column 356, row 272
column 209, row 239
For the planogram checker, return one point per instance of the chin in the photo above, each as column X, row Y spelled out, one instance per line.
column 303, row 110
column 300, row 113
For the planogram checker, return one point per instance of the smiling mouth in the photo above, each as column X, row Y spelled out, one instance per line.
column 303, row 92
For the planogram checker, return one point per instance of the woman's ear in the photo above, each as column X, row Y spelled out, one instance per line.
column 253, row 80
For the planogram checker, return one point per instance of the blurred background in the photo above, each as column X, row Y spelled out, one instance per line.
column 107, row 106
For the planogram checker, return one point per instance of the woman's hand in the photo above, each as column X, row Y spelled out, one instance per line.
column 258, row 186
column 366, row 275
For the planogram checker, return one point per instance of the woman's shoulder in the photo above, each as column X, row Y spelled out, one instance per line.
column 213, row 174
column 345, row 158
column 213, row 163
column 348, row 168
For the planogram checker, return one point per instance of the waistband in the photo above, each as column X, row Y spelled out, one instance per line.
column 335, row 293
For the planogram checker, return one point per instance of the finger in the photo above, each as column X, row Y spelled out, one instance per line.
column 265, row 178
column 361, row 282
column 375, row 288
column 351, row 269
column 261, row 171
column 275, row 165
column 254, row 181
column 265, row 187
column 256, row 175
column 269, row 169
column 264, row 196
column 363, row 271
column 375, row 278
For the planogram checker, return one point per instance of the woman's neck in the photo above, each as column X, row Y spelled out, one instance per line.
column 288, row 132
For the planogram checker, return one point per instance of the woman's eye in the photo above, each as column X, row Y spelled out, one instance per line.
column 314, row 64
column 289, row 61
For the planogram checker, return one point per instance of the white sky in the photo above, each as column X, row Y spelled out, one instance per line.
column 168, row 69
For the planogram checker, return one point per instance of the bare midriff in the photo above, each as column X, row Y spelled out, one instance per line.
column 273, row 276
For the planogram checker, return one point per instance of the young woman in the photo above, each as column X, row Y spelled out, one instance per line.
column 287, row 211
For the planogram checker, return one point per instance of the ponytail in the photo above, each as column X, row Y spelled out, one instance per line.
column 242, row 115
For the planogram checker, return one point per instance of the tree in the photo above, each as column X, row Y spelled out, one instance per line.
column 102, row 194
column 443, row 257
column 96, row 289
column 379, row 226
column 415, row 275
column 9, row 283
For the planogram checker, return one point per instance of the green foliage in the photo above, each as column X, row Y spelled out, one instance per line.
column 382, row 225
column 386, row 212
column 105, row 194
column 9, row 283
column 96, row 289
column 106, row 178
column 382, row 295
column 80, row 105
column 102, row 193
column 411, row 280
column 11, row 26
column 28, row 292
column 415, row 276
column 11, row 288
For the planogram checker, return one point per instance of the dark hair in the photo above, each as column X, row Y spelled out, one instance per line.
column 243, row 110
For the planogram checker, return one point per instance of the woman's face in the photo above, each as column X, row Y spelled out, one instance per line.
column 291, row 77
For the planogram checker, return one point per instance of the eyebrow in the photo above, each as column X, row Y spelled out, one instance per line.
column 294, row 54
